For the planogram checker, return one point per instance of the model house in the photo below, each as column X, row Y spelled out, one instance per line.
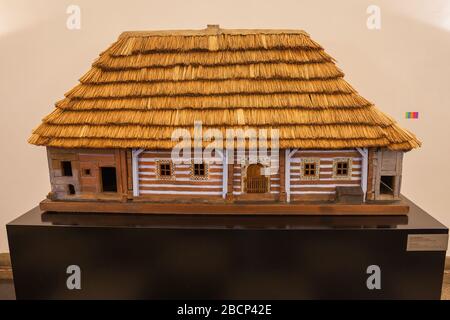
column 111, row 137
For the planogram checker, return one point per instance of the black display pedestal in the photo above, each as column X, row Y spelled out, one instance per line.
column 226, row 257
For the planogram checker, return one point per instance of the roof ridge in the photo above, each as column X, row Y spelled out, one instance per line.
column 211, row 29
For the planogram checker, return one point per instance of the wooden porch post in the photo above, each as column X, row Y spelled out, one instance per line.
column 287, row 174
column 282, row 168
column 121, row 165
column 230, row 171
column 135, row 164
column 230, row 196
column 224, row 174
column 365, row 154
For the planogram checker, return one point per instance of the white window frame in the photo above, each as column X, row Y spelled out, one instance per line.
column 304, row 161
column 349, row 170
column 200, row 178
column 158, row 170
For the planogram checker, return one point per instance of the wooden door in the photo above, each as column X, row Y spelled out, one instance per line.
column 256, row 182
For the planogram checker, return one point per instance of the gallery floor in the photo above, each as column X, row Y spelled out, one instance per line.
column 7, row 286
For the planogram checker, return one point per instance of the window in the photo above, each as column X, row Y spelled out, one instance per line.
column 86, row 172
column 342, row 168
column 66, row 168
column 164, row 169
column 387, row 185
column 310, row 168
column 199, row 171
column 109, row 180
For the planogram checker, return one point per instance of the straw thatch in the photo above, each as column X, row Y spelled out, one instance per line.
column 149, row 83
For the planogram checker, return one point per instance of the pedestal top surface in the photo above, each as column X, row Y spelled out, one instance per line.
column 416, row 219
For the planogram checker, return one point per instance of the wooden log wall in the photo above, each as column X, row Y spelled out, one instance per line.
column 181, row 184
column 323, row 188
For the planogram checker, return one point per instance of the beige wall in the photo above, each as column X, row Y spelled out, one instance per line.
column 404, row 66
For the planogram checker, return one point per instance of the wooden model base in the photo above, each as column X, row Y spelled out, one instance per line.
column 245, row 208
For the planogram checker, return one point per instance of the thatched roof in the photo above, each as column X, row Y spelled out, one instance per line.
column 147, row 84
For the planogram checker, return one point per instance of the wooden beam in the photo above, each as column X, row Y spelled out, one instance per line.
column 230, row 173
column 129, row 170
column 370, row 175
column 281, row 169
column 273, row 208
column 291, row 153
column 365, row 155
column 135, row 164
column 398, row 180
column 378, row 173
column 121, row 173
column 287, row 174
column 224, row 173
column 125, row 173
